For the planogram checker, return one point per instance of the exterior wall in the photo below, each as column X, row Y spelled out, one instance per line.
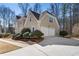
column 57, row 27
column 49, row 28
column 33, row 24
column 43, row 24
column 19, row 24
column 48, row 31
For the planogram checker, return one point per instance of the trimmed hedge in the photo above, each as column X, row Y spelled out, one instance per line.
column 25, row 30
column 37, row 33
column 27, row 34
column 63, row 33
column 17, row 36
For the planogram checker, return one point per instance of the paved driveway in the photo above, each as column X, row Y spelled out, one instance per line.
column 59, row 41
column 50, row 46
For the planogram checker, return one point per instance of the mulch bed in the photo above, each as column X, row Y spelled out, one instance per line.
column 37, row 40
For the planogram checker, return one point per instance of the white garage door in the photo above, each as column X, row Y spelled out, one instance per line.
column 48, row 31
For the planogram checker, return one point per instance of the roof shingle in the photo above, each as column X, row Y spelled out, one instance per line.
column 36, row 14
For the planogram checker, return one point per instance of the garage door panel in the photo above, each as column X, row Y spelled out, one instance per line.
column 48, row 31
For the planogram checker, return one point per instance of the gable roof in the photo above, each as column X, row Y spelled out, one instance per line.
column 46, row 12
column 21, row 19
column 36, row 14
column 49, row 13
column 18, row 17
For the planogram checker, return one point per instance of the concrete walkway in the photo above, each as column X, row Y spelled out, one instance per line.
column 26, row 51
column 51, row 50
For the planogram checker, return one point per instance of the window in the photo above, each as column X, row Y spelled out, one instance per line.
column 50, row 19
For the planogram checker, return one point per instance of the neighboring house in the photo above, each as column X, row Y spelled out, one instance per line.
column 46, row 22
column 32, row 20
column 49, row 24
column 19, row 23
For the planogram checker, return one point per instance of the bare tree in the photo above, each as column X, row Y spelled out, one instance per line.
column 7, row 15
column 37, row 8
column 64, row 10
column 23, row 7
column 30, row 8
column 76, row 13
column 52, row 8
column 70, row 11
column 55, row 9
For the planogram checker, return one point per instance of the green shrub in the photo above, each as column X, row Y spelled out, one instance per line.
column 63, row 33
column 17, row 36
column 26, row 35
column 25, row 30
column 37, row 33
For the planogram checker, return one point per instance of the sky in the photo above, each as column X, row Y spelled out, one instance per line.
column 15, row 7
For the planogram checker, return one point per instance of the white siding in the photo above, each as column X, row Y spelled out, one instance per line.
column 31, row 24
column 48, row 31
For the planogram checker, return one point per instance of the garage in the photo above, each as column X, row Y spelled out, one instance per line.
column 48, row 31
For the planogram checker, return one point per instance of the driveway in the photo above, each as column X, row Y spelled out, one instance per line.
column 59, row 41
column 50, row 46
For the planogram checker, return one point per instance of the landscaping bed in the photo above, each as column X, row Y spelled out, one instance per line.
column 27, row 35
column 37, row 40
